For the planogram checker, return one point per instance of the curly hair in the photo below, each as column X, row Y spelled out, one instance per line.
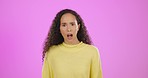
column 54, row 36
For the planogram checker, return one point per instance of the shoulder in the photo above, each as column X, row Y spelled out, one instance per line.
column 51, row 52
column 92, row 49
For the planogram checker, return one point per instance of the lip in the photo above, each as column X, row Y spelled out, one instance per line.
column 69, row 35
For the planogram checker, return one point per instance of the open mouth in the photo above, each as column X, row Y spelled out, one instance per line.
column 69, row 35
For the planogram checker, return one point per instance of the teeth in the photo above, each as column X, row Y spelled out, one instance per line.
column 69, row 35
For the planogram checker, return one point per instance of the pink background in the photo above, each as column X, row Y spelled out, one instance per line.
column 119, row 28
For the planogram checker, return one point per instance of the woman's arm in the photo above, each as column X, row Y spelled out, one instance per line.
column 96, row 69
column 46, row 69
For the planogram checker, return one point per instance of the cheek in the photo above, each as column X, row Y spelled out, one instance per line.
column 62, row 32
column 76, row 30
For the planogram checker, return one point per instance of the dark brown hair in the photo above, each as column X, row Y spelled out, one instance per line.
column 54, row 36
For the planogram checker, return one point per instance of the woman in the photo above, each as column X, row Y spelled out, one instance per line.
column 68, row 52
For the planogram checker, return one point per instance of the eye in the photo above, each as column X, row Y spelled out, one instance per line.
column 72, row 24
column 63, row 25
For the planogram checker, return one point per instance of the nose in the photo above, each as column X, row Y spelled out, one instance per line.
column 68, row 28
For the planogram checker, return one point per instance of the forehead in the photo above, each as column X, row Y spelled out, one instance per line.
column 68, row 17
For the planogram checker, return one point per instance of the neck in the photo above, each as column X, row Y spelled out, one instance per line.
column 72, row 42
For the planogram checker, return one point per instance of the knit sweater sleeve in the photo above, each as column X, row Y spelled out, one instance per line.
column 96, row 69
column 46, row 69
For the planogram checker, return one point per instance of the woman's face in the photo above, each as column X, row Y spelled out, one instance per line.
column 69, row 28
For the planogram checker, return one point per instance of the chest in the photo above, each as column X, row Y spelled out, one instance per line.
column 71, row 63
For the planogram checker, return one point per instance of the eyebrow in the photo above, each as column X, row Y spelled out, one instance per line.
column 63, row 23
column 70, row 23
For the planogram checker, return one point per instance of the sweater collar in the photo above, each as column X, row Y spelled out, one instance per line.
column 71, row 46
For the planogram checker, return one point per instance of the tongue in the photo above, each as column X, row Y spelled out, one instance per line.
column 69, row 37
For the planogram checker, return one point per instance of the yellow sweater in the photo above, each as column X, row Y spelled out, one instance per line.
column 72, row 61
